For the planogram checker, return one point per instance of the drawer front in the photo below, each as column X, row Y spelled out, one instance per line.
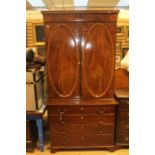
column 124, row 137
column 124, row 114
column 82, row 119
column 84, row 129
column 124, row 126
column 124, row 106
column 82, row 140
column 56, row 110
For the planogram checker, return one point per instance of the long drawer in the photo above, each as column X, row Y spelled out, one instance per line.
column 124, row 137
column 123, row 106
column 83, row 128
column 82, row 140
column 82, row 119
column 124, row 126
column 124, row 114
column 56, row 110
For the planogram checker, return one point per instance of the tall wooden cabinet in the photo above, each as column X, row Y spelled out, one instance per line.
column 80, row 64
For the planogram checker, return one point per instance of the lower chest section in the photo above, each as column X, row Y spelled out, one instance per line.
column 80, row 126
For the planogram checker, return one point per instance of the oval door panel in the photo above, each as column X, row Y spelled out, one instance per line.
column 98, row 55
column 62, row 57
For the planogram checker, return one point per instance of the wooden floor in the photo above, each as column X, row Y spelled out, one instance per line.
column 47, row 152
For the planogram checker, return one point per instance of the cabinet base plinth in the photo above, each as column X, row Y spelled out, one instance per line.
column 108, row 148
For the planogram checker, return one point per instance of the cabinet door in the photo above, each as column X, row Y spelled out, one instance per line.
column 98, row 45
column 62, row 60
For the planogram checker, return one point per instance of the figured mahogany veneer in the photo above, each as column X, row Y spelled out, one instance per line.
column 80, row 65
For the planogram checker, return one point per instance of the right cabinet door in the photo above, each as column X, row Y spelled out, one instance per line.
column 98, row 46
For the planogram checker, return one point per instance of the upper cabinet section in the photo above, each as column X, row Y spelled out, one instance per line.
column 80, row 53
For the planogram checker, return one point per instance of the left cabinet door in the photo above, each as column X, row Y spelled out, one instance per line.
column 63, row 59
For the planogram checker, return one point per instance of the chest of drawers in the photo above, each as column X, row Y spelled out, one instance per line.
column 84, row 126
column 122, row 136
column 122, row 123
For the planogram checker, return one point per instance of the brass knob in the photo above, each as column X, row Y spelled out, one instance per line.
column 126, row 138
column 82, row 138
column 47, row 26
column 82, row 127
column 81, row 108
column 82, row 117
column 63, row 122
column 101, row 131
column 101, row 122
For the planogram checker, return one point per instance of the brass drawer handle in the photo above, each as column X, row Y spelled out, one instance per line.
column 100, row 130
column 102, row 121
column 62, row 110
column 63, row 131
column 64, row 143
column 100, row 111
column 100, row 141
column 63, row 122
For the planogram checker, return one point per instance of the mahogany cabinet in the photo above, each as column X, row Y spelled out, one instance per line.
column 80, row 65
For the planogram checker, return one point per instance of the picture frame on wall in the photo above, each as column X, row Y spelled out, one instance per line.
column 124, row 52
column 120, row 30
column 118, row 54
